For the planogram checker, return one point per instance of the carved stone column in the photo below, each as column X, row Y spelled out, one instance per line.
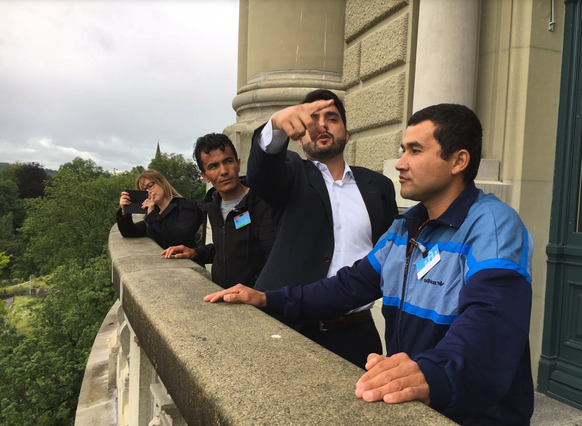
column 287, row 48
column 446, row 55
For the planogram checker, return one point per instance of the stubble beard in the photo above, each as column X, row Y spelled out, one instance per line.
column 327, row 152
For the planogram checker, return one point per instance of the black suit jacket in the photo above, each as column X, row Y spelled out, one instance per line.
column 296, row 192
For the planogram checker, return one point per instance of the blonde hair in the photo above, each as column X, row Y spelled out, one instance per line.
column 158, row 179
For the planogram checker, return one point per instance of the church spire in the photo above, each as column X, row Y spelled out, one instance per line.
column 158, row 152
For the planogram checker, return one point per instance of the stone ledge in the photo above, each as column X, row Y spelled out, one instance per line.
column 97, row 400
column 233, row 364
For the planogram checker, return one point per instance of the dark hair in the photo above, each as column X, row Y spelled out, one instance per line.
column 211, row 142
column 456, row 127
column 322, row 94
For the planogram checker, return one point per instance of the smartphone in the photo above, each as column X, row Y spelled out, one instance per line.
column 137, row 198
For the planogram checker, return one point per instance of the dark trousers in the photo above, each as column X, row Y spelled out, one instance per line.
column 353, row 343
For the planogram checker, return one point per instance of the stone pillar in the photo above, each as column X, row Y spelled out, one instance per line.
column 446, row 55
column 287, row 48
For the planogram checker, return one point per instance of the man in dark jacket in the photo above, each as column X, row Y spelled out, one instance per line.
column 327, row 214
column 242, row 229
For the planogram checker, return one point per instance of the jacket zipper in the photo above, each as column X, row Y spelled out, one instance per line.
column 402, row 300
column 224, row 251
column 411, row 242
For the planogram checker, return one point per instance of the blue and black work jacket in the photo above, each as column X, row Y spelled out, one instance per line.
column 463, row 318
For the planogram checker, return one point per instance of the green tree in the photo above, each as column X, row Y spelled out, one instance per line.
column 41, row 373
column 182, row 174
column 10, row 201
column 12, row 214
column 4, row 261
column 9, row 172
column 72, row 220
column 86, row 169
column 31, row 179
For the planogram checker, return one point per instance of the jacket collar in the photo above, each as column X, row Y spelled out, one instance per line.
column 453, row 216
column 212, row 197
column 168, row 208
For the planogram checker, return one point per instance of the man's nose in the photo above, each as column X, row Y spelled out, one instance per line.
column 320, row 126
column 400, row 164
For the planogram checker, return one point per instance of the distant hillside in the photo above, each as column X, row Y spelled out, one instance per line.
column 48, row 171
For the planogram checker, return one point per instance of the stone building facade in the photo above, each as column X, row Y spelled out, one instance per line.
column 389, row 58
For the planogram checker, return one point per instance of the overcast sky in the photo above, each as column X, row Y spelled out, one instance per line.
column 103, row 80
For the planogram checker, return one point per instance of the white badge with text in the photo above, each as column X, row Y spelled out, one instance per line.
column 427, row 263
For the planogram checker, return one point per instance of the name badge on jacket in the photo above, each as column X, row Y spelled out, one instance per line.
column 242, row 219
column 426, row 264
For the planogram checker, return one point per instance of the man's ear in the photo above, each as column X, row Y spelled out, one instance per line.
column 300, row 142
column 461, row 161
column 204, row 177
column 347, row 136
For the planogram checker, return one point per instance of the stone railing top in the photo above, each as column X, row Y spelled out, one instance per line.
column 233, row 364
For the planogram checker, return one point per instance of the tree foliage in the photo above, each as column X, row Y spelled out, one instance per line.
column 41, row 373
column 86, row 169
column 4, row 261
column 72, row 220
column 31, row 178
column 64, row 233
column 182, row 174
column 10, row 202
column 9, row 172
column 12, row 215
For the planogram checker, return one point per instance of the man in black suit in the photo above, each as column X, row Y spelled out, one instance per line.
column 327, row 214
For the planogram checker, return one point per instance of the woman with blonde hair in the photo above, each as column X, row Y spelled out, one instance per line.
column 170, row 219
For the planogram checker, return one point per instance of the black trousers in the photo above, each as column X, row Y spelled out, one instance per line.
column 353, row 343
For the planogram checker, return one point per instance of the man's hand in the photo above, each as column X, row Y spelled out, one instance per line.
column 179, row 252
column 239, row 294
column 296, row 120
column 392, row 379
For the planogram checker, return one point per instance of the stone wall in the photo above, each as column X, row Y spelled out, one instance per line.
column 170, row 358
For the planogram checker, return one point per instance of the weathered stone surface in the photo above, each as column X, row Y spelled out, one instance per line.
column 377, row 105
column 362, row 15
column 352, row 57
column 372, row 151
column 233, row 364
column 97, row 400
column 384, row 49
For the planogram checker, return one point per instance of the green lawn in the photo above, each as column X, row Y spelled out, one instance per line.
column 21, row 312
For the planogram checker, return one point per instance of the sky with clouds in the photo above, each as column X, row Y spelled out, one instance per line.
column 104, row 79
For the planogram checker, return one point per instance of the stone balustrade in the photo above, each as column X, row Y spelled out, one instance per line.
column 164, row 357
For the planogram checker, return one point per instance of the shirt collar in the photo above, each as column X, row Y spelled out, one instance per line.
column 347, row 176
column 453, row 216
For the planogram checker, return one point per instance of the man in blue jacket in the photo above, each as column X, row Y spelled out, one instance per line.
column 454, row 273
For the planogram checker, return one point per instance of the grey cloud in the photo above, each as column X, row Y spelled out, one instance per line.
column 105, row 80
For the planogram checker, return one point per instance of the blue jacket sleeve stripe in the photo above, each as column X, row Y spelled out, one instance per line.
column 420, row 312
column 374, row 262
column 499, row 264
column 397, row 241
column 429, row 314
column 453, row 248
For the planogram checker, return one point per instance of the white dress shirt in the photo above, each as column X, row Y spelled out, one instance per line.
column 352, row 231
